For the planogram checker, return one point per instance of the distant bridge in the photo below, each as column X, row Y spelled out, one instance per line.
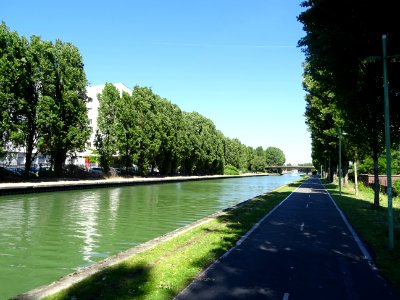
column 290, row 167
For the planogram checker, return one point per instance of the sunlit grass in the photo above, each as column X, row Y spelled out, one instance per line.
column 166, row 269
column 372, row 226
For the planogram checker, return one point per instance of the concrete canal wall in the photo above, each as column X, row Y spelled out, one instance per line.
column 64, row 185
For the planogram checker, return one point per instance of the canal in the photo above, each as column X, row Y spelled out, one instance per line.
column 48, row 235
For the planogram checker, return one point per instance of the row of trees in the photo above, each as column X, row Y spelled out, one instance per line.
column 42, row 97
column 43, row 109
column 343, row 80
column 151, row 132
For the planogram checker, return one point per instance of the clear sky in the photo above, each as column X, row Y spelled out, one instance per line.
column 234, row 61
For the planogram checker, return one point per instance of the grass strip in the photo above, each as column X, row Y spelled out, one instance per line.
column 372, row 226
column 164, row 270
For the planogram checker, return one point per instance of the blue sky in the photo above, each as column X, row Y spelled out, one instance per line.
column 236, row 62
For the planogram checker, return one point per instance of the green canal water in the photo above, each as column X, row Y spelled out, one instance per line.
column 48, row 235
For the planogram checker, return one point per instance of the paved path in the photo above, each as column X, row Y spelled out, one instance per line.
column 302, row 250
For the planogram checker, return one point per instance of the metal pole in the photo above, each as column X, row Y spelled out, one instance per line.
column 387, row 142
column 340, row 161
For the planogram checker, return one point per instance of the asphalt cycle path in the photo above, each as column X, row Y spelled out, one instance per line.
column 303, row 249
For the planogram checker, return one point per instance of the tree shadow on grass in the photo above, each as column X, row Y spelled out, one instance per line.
column 121, row 281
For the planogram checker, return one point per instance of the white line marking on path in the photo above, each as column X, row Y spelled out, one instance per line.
column 286, row 296
column 307, row 204
column 302, row 226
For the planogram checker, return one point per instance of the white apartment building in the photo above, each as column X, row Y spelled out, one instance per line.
column 16, row 157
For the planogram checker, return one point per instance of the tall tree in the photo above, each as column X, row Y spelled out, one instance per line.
column 31, row 88
column 250, row 153
column 233, row 152
column 20, row 81
column 171, row 126
column 62, row 119
column 202, row 145
column 322, row 118
column 10, row 72
column 106, row 134
column 147, row 123
column 258, row 163
column 126, row 131
column 274, row 156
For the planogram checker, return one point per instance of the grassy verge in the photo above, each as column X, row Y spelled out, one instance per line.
column 371, row 224
column 166, row 269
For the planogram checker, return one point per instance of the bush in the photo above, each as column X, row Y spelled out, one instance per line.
column 396, row 187
column 230, row 170
column 362, row 187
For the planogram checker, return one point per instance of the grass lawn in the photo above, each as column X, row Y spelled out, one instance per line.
column 163, row 271
column 371, row 225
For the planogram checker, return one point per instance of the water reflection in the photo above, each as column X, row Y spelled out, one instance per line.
column 114, row 204
column 45, row 236
column 86, row 225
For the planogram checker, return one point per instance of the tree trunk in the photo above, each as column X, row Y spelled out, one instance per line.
column 355, row 177
column 345, row 176
column 376, row 180
column 59, row 160
column 127, row 160
column 29, row 157
column 28, row 160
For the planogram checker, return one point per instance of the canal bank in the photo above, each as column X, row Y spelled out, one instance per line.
column 82, row 274
column 76, row 184
column 178, row 256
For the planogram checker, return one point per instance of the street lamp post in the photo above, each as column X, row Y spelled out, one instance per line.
column 387, row 142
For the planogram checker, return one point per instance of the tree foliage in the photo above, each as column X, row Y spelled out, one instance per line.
column 42, row 97
column 11, row 61
column 154, row 134
column 258, row 162
column 106, row 134
column 62, row 119
column 274, row 156
column 202, row 146
column 343, row 77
